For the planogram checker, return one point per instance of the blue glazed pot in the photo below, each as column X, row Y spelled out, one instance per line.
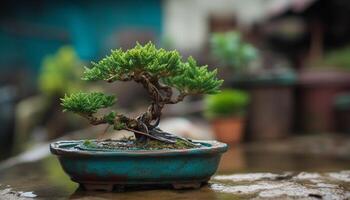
column 105, row 170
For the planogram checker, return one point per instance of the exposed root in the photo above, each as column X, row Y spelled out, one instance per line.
column 162, row 135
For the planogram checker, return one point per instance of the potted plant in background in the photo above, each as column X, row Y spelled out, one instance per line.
column 234, row 54
column 270, row 88
column 153, row 156
column 59, row 74
column 320, row 84
column 227, row 111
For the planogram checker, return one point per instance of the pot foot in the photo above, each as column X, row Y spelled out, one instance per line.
column 186, row 185
column 98, row 187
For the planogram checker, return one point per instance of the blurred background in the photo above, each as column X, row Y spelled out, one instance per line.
column 286, row 66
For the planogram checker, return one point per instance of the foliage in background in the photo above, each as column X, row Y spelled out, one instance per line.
column 226, row 104
column 339, row 58
column 167, row 43
column 60, row 73
column 232, row 51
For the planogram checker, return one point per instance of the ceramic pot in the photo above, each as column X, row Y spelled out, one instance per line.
column 110, row 169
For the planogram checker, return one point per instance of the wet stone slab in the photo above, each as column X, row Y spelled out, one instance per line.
column 304, row 185
column 288, row 185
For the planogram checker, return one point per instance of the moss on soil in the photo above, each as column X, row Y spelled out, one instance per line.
column 155, row 144
column 129, row 144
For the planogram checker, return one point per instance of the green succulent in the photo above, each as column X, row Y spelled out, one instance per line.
column 225, row 104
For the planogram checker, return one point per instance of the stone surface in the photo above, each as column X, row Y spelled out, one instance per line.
column 9, row 194
column 303, row 185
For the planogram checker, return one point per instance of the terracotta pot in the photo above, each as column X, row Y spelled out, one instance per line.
column 229, row 130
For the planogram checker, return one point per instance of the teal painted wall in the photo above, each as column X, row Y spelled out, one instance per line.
column 31, row 30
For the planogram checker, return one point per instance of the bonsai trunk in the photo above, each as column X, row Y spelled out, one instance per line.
column 145, row 125
column 148, row 121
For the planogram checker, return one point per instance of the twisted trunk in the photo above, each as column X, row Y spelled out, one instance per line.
column 145, row 125
column 160, row 95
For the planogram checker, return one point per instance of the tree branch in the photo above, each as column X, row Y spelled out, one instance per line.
column 92, row 119
column 179, row 98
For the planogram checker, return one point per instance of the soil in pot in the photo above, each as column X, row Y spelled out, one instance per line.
column 131, row 144
column 229, row 130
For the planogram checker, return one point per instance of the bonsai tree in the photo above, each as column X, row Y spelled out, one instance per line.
column 163, row 74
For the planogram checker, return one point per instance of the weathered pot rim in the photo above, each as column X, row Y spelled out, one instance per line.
column 64, row 148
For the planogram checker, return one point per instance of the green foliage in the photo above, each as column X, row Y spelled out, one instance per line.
column 110, row 117
column 149, row 66
column 225, row 104
column 337, row 58
column 194, row 79
column 121, row 64
column 232, row 51
column 158, row 63
column 87, row 103
column 60, row 73
column 119, row 126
